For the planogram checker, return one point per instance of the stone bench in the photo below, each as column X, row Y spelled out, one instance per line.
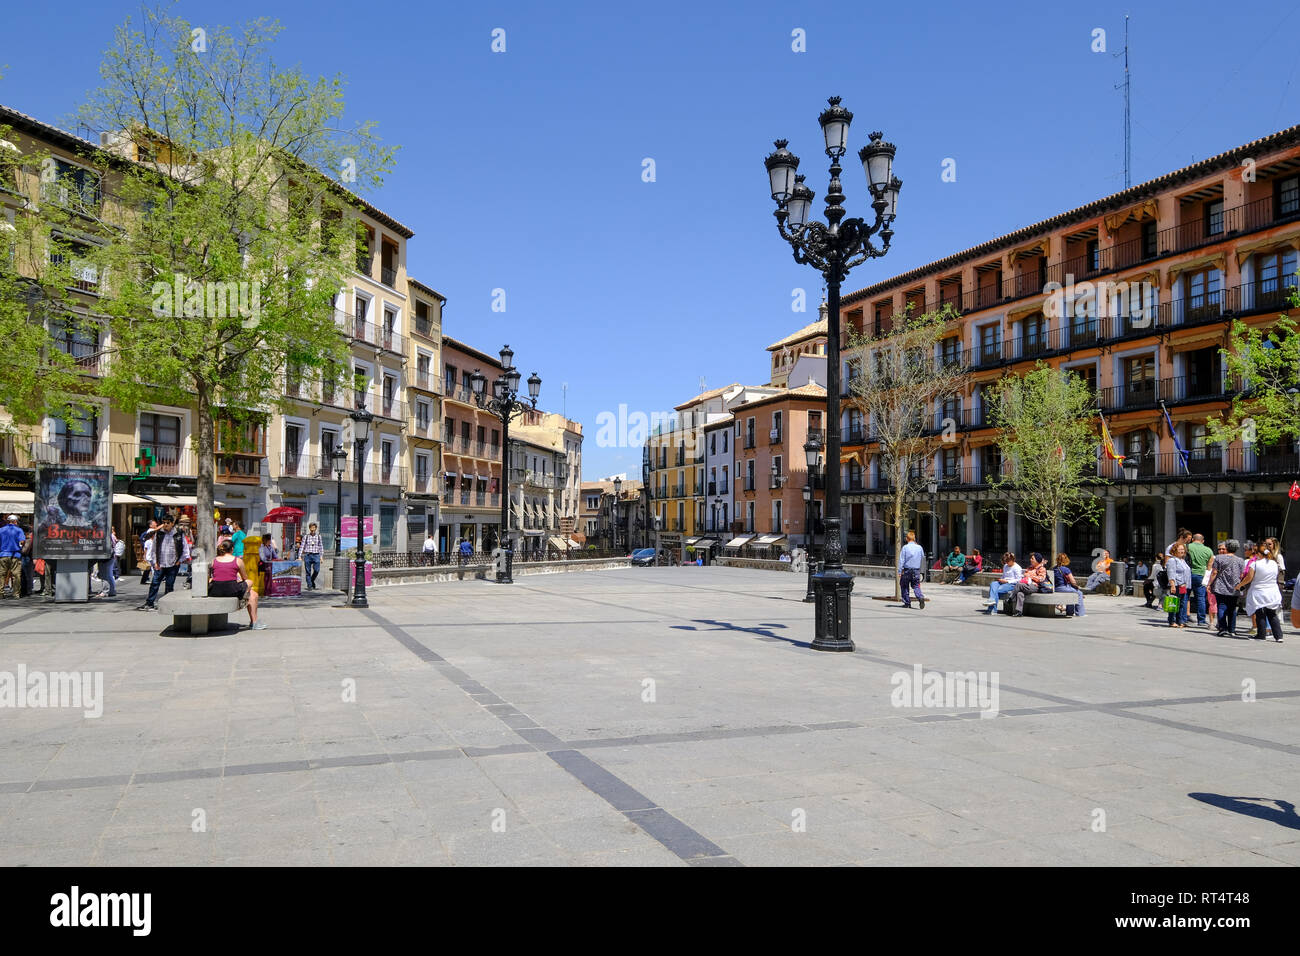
column 1038, row 605
column 194, row 614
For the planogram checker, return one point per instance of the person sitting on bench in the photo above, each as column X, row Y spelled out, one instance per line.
column 953, row 565
column 1063, row 580
column 1034, row 582
column 229, row 580
column 1011, row 575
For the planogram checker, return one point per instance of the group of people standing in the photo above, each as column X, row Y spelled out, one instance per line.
column 1247, row 577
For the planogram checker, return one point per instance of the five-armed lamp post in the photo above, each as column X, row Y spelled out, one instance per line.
column 833, row 248
column 505, row 404
column 361, row 421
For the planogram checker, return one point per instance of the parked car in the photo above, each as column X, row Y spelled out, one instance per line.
column 643, row 557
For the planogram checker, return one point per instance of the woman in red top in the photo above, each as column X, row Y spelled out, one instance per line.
column 229, row 580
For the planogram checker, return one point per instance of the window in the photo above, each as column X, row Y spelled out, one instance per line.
column 422, row 412
column 390, row 387
column 1083, row 323
column 359, row 306
column 161, row 434
column 1288, row 196
column 390, row 327
column 1086, row 374
column 77, row 338
column 1150, row 249
column 82, row 273
column 1276, row 276
column 990, row 338
column 713, row 444
column 949, row 351
column 1140, row 377
column 423, row 325
column 329, row 440
column 1092, row 256
column 951, row 464
column 421, row 470
column 450, row 376
column 422, row 370
column 292, row 448
column 73, row 186
column 77, row 436
column 1035, row 334
column 387, row 520
column 1202, row 294
column 724, row 440
column 1214, row 217
column 365, row 249
column 776, row 516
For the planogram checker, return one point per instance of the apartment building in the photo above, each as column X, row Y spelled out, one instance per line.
column 720, row 469
column 373, row 314
column 801, row 354
column 424, row 406
column 606, row 517
column 471, row 452
column 545, row 473
column 1135, row 294
column 677, row 462
column 392, row 326
column 771, row 468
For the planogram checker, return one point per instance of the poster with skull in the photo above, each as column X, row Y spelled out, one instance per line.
column 73, row 504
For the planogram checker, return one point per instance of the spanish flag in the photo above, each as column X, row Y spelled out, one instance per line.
column 1108, row 446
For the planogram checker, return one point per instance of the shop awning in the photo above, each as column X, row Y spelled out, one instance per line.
column 768, row 540
column 691, row 541
column 559, row 543
column 179, row 501
column 122, row 498
column 739, row 542
column 534, row 533
column 21, row 501
column 704, row 544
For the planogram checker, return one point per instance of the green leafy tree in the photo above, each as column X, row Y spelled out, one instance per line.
column 1266, row 361
column 232, row 242
column 901, row 380
column 48, row 323
column 1049, row 445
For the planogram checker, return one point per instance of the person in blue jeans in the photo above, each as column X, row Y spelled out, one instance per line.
column 911, row 560
column 171, row 549
column 1063, row 580
column 1180, row 583
column 1011, row 575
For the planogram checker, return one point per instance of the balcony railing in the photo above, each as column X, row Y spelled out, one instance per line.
column 426, row 428
column 379, row 335
column 388, row 276
column 749, row 484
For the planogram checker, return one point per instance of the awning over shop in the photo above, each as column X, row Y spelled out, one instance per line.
column 122, row 498
column 768, row 540
column 739, row 542
column 178, row 501
column 704, row 544
column 559, row 544
column 23, row 501
column 691, row 541
column 534, row 533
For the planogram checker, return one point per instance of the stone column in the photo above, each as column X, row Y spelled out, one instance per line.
column 1239, row 517
column 1109, row 534
column 1171, row 523
column 1012, row 543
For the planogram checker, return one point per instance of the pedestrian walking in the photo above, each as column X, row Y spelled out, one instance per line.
column 108, row 566
column 26, row 577
column 1263, row 595
column 12, row 539
column 145, row 535
column 312, row 548
column 169, row 550
column 430, row 548
column 1225, row 575
column 465, row 549
column 911, row 560
column 237, row 536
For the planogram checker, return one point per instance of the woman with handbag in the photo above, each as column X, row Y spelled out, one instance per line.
column 1263, row 595
column 1180, row 582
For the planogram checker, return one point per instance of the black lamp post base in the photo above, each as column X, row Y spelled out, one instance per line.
column 507, row 576
column 832, row 588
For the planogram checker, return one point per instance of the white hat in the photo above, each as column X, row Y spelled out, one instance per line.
column 13, row 518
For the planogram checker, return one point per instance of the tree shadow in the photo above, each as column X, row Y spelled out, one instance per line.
column 1283, row 813
column 761, row 630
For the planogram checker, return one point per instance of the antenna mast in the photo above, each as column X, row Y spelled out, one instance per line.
column 1128, row 116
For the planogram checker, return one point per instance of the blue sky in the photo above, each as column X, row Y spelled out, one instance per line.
column 522, row 170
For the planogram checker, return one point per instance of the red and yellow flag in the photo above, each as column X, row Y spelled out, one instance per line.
column 1108, row 446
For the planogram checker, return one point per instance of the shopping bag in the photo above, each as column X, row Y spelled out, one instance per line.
column 1171, row 603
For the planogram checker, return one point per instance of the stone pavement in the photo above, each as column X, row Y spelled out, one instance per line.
column 646, row 716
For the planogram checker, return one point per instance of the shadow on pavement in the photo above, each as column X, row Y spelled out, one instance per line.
column 1283, row 814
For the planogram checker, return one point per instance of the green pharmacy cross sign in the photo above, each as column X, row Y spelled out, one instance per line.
column 144, row 464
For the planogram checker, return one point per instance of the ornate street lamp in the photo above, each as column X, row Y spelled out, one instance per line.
column 361, row 420
column 833, row 248
column 339, row 460
column 613, row 521
column 1130, row 466
column 505, row 404
column 933, row 487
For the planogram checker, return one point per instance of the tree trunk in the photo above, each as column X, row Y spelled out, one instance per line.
column 898, row 537
column 1051, row 560
column 205, row 531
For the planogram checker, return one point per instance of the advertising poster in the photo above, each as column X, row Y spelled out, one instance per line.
column 348, row 531
column 286, row 578
column 72, row 509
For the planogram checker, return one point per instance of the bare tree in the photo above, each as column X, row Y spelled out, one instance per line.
column 904, row 380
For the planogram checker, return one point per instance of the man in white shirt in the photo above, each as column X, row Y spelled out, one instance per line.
column 430, row 548
column 910, row 562
column 1011, row 575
